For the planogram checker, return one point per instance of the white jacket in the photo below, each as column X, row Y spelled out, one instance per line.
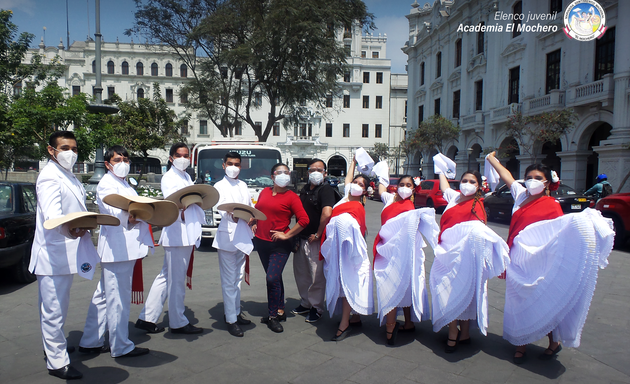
column 176, row 234
column 232, row 191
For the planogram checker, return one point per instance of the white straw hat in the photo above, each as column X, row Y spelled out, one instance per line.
column 156, row 212
column 206, row 196
column 82, row 220
column 242, row 211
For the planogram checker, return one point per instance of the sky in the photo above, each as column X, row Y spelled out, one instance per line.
column 117, row 15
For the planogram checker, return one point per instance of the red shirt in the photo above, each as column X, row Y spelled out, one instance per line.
column 279, row 210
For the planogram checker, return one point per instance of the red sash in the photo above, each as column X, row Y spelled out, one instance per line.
column 355, row 209
column 460, row 213
column 543, row 208
column 391, row 211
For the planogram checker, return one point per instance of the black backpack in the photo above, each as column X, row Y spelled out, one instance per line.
column 606, row 189
column 316, row 194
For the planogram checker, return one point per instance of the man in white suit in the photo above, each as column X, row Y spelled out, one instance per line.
column 178, row 247
column 231, row 259
column 119, row 247
column 55, row 255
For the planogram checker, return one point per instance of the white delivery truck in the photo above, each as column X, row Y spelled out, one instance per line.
column 256, row 162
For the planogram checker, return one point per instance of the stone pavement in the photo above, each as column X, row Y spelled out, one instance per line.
column 303, row 354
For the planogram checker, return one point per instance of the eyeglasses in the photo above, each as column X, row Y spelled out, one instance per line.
column 311, row 170
column 282, row 173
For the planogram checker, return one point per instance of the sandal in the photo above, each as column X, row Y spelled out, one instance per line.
column 549, row 356
column 452, row 348
column 392, row 339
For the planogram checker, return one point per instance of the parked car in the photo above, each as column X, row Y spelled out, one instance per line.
column 332, row 180
column 18, row 208
column 617, row 208
column 429, row 194
column 499, row 204
column 391, row 188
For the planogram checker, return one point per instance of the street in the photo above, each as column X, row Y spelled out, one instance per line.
column 303, row 353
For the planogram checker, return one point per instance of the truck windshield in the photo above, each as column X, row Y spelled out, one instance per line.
column 256, row 165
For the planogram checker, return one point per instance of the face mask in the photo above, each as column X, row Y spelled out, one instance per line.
column 316, row 178
column 282, row 180
column 404, row 192
column 534, row 187
column 66, row 159
column 232, row 171
column 181, row 163
column 121, row 169
column 467, row 189
column 356, row 190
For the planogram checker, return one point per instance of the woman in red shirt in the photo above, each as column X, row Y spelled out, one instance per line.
column 273, row 238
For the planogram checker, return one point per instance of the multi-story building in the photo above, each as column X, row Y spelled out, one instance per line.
column 369, row 109
column 479, row 77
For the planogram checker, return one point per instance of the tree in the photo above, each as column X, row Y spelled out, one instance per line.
column 240, row 51
column 432, row 134
column 381, row 151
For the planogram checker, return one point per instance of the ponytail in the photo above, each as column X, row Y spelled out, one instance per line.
column 474, row 212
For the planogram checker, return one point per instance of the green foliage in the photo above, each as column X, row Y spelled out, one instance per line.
column 431, row 135
column 381, row 150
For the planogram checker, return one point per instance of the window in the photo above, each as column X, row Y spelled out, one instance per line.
column 346, row 130
column 139, row 69
column 203, row 127
column 310, row 130
column 366, row 77
column 257, row 99
column 76, row 90
column 29, row 197
column 93, row 66
column 346, row 101
column 366, row 101
column 378, row 130
column 605, row 54
column 436, row 107
column 420, row 114
column 17, row 89
column 346, row 77
column 375, row 55
column 456, row 100
column 379, row 102
column 224, row 72
column 480, row 37
column 478, row 95
column 347, row 47
column 184, row 127
column 422, row 73
column 458, row 53
column 169, row 95
column 125, row 68
column 329, row 101
column 518, row 10
column 154, row 69
column 110, row 92
column 365, row 130
column 553, row 71
column 438, row 64
column 238, row 128
column 379, row 77
column 183, row 98
column 514, row 85
column 110, row 67
column 168, row 70
column 140, row 93
column 183, row 70
column 328, row 129
column 405, row 111
column 276, row 129
column 363, row 54
column 555, row 6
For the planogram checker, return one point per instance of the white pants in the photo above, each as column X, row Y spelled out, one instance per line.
column 170, row 283
column 232, row 267
column 308, row 270
column 109, row 309
column 54, row 298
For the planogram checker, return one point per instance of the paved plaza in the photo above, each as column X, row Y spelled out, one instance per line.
column 303, row 354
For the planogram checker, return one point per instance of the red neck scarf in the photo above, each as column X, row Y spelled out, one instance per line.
column 543, row 208
column 461, row 212
column 355, row 209
column 391, row 211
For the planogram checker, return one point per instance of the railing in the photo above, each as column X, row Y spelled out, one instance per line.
column 540, row 102
column 589, row 89
column 469, row 119
column 596, row 91
column 504, row 112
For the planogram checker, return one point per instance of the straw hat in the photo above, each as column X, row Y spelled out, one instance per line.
column 156, row 212
column 82, row 220
column 242, row 211
column 206, row 196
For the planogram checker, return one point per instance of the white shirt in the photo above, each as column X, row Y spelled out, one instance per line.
column 230, row 191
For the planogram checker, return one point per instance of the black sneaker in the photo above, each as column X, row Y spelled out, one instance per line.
column 313, row 316
column 300, row 310
column 274, row 325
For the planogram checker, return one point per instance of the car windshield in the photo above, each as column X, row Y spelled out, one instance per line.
column 454, row 185
column 6, row 203
column 255, row 165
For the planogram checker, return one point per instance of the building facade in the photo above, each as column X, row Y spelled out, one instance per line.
column 479, row 77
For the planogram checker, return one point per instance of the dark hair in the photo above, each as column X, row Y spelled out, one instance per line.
column 406, row 177
column 315, row 160
column 177, row 146
column 477, row 176
column 366, row 180
column 52, row 140
column 541, row 168
column 273, row 169
column 231, row 155
column 474, row 173
column 116, row 149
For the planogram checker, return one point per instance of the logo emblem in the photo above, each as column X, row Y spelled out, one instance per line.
column 86, row 267
column 584, row 20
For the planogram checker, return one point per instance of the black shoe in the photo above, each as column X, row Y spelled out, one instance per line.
column 518, row 360
column 313, row 316
column 188, row 329
column 452, row 348
column 549, row 356
column 394, row 334
column 274, row 325
column 148, row 326
column 137, row 351
column 66, row 373
column 240, row 319
column 342, row 335
column 234, row 329
column 300, row 310
column 70, row 349
column 94, row 351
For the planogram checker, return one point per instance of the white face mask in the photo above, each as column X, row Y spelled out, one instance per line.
column 282, row 180
column 181, row 163
column 467, row 189
column 232, row 171
column 316, row 178
column 66, row 159
column 356, row 190
column 121, row 169
column 404, row 192
column 534, row 187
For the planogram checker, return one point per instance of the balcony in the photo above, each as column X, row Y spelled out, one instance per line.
column 554, row 100
column 303, row 141
column 475, row 121
column 600, row 91
column 501, row 114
